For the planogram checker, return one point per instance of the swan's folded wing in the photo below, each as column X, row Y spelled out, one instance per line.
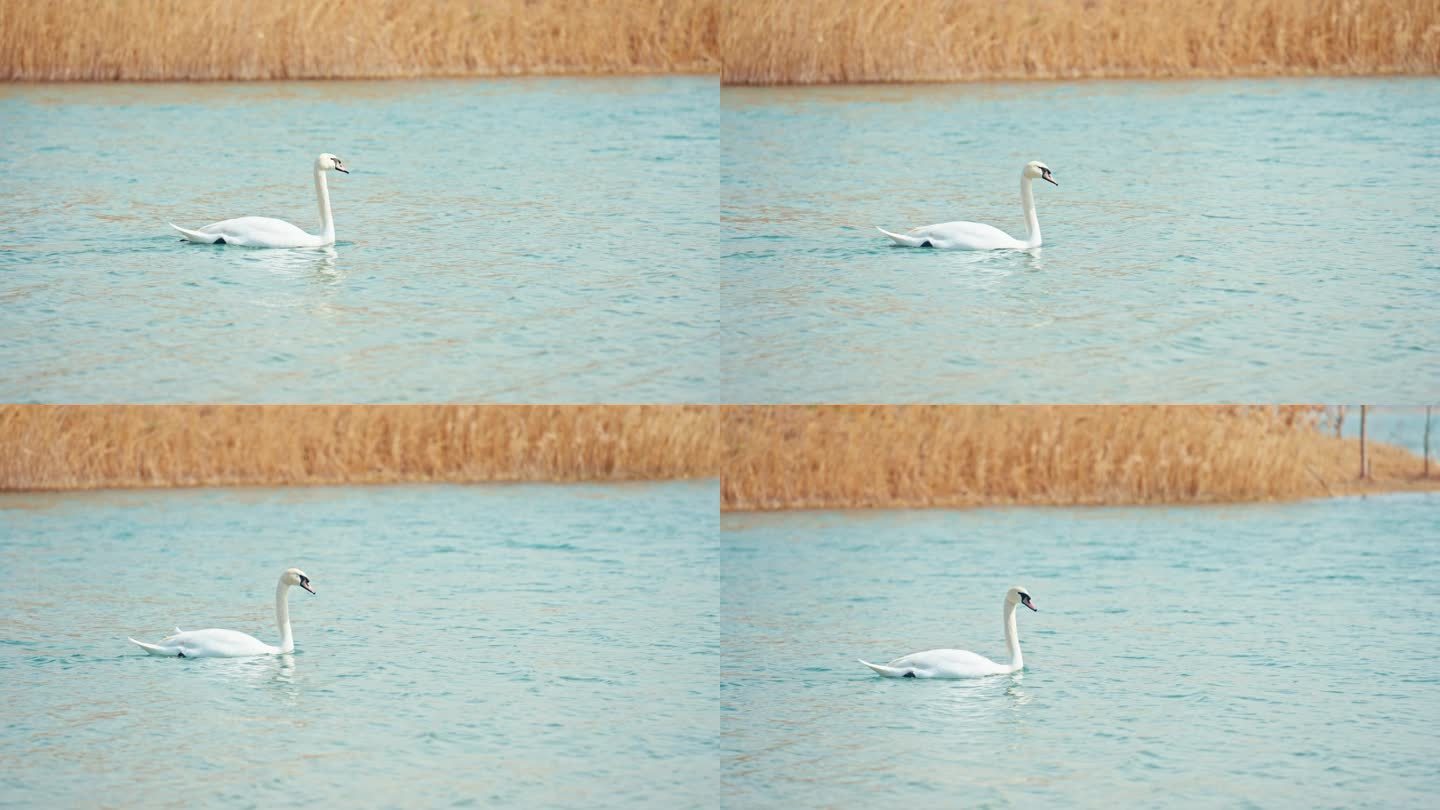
column 966, row 235
column 906, row 239
column 217, row 643
column 959, row 657
column 153, row 649
column 889, row 672
column 945, row 663
column 196, row 235
column 252, row 232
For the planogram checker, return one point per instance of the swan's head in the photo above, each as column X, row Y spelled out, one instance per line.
column 1020, row 595
column 1035, row 170
column 294, row 576
column 328, row 161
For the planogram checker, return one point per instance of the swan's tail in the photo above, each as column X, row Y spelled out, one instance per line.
column 195, row 236
column 889, row 672
column 902, row 239
column 151, row 648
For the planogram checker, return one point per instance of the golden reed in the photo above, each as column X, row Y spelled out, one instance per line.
column 768, row 457
column 46, row 447
column 837, row 456
column 92, row 40
column 825, row 41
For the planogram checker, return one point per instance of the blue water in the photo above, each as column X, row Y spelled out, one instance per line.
column 527, row 240
column 1240, row 240
column 1402, row 426
column 491, row 646
column 1240, row 656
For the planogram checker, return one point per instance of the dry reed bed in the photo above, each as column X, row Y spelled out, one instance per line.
column 48, row 40
column 89, row 447
column 820, row 457
column 825, row 41
column 768, row 457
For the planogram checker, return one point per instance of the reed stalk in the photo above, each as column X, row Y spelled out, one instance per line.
column 830, row 457
column 143, row 40
column 59, row 447
column 830, row 41
column 767, row 457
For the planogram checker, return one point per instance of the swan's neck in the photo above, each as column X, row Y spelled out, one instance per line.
column 1012, row 639
column 1032, row 222
column 282, row 617
column 322, row 193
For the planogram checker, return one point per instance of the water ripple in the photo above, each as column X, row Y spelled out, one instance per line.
column 1242, row 246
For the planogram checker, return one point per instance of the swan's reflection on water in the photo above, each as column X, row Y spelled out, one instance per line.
column 272, row 673
column 985, row 269
column 1016, row 693
column 982, row 697
column 309, row 276
column 319, row 263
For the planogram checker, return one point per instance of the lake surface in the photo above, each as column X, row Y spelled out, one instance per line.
column 1402, row 426
column 527, row 240
column 1246, row 656
column 1241, row 240
column 495, row 646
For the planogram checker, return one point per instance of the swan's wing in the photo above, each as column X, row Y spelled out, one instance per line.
column 154, row 649
column 196, row 236
column 964, row 236
column 945, row 664
column 907, row 240
column 217, row 644
column 252, row 232
column 933, row 658
column 889, row 672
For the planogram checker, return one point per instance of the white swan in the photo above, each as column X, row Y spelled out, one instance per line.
column 232, row 643
column 974, row 235
column 962, row 663
column 274, row 233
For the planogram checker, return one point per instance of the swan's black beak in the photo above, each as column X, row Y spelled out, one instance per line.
column 1025, row 600
column 347, row 171
column 1047, row 178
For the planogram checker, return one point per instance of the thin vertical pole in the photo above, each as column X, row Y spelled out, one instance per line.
column 1364, row 459
column 1427, row 441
